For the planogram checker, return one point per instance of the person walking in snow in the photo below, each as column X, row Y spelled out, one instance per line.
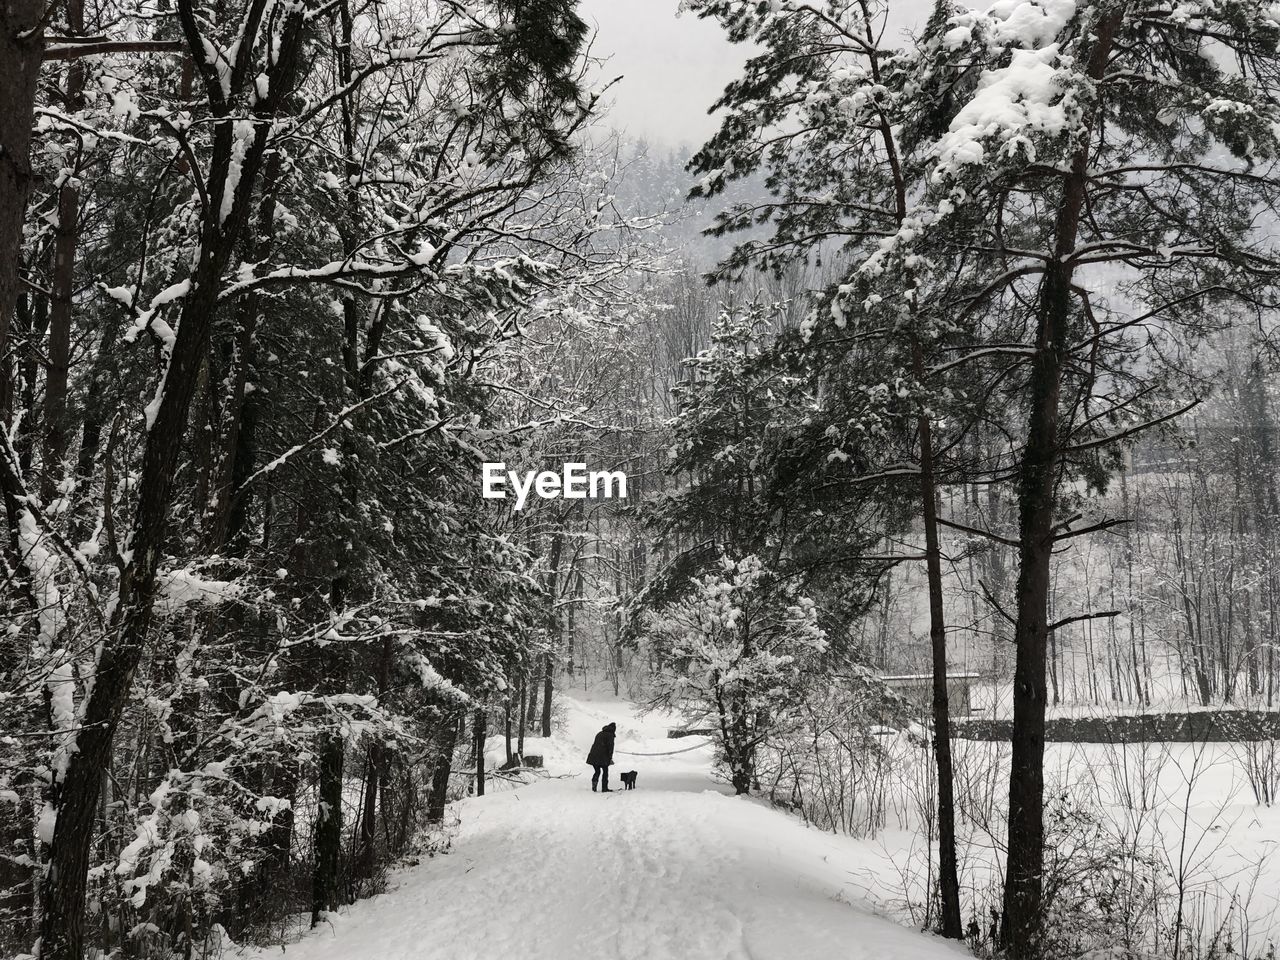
column 600, row 756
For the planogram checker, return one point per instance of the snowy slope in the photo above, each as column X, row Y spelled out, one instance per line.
column 675, row 869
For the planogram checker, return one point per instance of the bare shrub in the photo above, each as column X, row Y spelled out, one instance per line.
column 1260, row 761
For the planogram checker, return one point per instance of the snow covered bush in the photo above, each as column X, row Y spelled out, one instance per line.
column 735, row 654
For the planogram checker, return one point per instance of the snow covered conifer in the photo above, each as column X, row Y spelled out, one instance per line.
column 736, row 653
column 1116, row 162
column 831, row 114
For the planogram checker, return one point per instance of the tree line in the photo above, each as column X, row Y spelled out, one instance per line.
column 263, row 275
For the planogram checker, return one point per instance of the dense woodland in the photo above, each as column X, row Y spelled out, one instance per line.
column 972, row 370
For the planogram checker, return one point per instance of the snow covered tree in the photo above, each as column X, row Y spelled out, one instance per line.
column 255, row 520
column 1114, row 170
column 829, row 113
column 736, row 652
column 752, row 518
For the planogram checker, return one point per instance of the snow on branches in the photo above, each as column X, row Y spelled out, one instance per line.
column 736, row 652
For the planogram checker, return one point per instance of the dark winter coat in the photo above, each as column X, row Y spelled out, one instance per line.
column 601, row 754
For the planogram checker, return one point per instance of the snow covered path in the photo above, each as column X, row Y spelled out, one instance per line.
column 674, row 869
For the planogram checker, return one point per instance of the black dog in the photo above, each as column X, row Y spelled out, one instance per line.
column 628, row 780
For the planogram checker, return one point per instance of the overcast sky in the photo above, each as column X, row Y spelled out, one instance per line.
column 674, row 67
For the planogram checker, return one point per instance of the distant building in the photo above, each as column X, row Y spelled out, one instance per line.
column 917, row 690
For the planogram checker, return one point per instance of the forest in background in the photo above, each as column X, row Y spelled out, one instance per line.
column 973, row 372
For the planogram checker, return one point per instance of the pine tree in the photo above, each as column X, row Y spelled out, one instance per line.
column 825, row 109
column 1086, row 138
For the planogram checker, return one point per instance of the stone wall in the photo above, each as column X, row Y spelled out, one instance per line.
column 1207, row 726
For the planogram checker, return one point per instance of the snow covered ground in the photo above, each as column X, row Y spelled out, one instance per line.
column 675, row 869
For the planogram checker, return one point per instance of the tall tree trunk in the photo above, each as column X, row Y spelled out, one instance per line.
column 326, row 880
column 63, row 282
column 1022, row 893
column 481, row 733
column 17, row 824
column 1037, row 475
column 1131, row 593
column 21, row 48
column 226, row 512
column 523, row 713
column 506, row 732
column 53, row 417
column 616, row 651
column 1266, row 508
column 375, row 768
column 31, row 322
column 948, row 871
column 22, row 43
column 534, row 688
column 367, row 840
column 75, row 799
column 441, row 771
column 553, row 628
column 573, row 625
column 547, row 680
